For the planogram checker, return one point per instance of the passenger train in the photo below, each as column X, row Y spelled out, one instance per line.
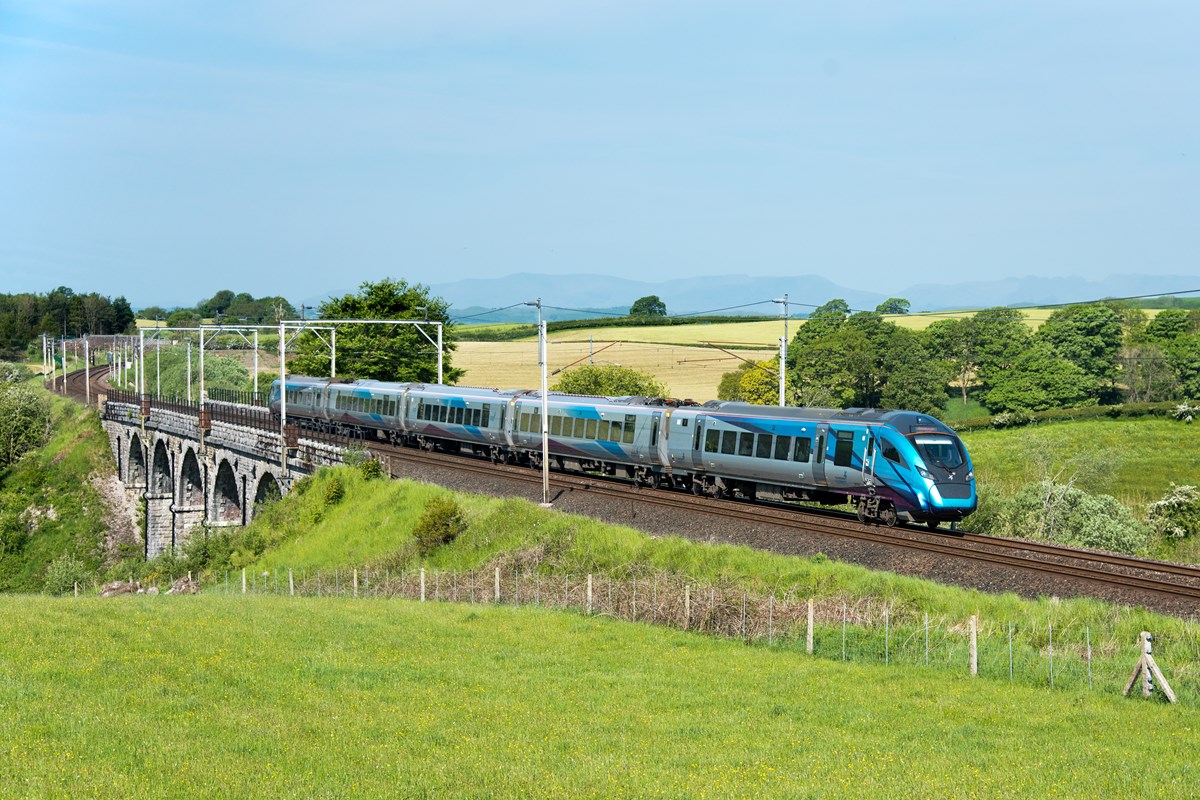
column 892, row 465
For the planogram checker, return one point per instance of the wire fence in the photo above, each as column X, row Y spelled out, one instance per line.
column 1061, row 653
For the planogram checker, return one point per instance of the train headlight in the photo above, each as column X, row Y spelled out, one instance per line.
column 924, row 473
column 970, row 476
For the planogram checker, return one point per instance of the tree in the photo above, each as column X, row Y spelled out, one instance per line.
column 123, row 315
column 950, row 341
column 24, row 421
column 609, row 380
column 913, row 380
column 183, row 318
column 830, row 370
column 1087, row 335
column 730, row 387
column 1146, row 373
column 217, row 304
column 649, row 306
column 1040, row 379
column 759, row 383
column 1183, row 354
column 1168, row 325
column 823, row 321
column 382, row 352
column 996, row 337
column 893, row 305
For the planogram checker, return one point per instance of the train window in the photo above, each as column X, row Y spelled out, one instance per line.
column 606, row 431
column 591, row 429
column 443, row 413
column 843, row 449
column 803, row 449
column 728, row 442
column 487, row 414
column 696, row 437
column 629, row 423
column 820, row 448
column 711, row 438
column 555, row 425
column 764, row 445
column 746, row 444
column 477, row 417
column 523, row 425
column 888, row 451
column 783, row 445
column 578, row 424
column 614, row 431
column 654, row 427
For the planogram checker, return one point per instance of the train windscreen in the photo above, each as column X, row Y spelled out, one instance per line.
column 941, row 451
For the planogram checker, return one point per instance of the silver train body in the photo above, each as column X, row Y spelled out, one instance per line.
column 890, row 464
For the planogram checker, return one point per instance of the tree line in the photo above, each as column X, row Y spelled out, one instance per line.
column 225, row 305
column 26, row 316
column 1084, row 354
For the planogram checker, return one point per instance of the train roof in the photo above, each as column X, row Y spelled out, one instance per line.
column 903, row 421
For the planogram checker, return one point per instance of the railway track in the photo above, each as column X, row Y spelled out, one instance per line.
column 1176, row 581
column 1110, row 575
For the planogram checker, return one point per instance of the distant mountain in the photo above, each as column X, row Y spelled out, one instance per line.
column 573, row 296
column 725, row 294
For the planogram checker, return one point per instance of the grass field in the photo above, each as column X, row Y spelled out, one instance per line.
column 1136, row 460
column 277, row 697
column 692, row 372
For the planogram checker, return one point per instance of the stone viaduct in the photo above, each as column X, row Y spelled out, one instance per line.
column 187, row 478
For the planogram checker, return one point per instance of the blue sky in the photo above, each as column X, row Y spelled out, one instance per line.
column 164, row 150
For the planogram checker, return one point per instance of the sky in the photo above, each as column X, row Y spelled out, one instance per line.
column 165, row 150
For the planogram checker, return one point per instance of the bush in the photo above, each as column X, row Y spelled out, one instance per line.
column 1185, row 412
column 1065, row 515
column 370, row 469
column 441, row 524
column 1177, row 515
column 24, row 421
column 334, row 491
column 354, row 456
column 11, row 372
column 64, row 572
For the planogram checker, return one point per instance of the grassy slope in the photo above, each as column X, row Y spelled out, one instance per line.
column 371, row 527
column 56, row 477
column 1146, row 455
column 271, row 697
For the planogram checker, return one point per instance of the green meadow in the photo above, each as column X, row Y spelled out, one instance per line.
column 180, row 697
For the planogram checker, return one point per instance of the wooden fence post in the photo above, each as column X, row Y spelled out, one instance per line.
column 589, row 593
column 422, row 584
column 291, row 583
column 809, row 638
column 687, row 606
column 974, row 658
column 243, row 580
column 497, row 584
column 356, row 581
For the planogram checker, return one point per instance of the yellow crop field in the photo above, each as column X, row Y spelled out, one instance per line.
column 689, row 372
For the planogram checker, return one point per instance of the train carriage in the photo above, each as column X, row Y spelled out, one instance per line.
column 889, row 464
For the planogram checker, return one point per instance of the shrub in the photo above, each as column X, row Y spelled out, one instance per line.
column 64, row 572
column 334, row 491
column 1185, row 412
column 1177, row 515
column 303, row 485
column 441, row 523
column 1012, row 419
column 11, row 372
column 370, row 469
column 1066, row 515
column 354, row 456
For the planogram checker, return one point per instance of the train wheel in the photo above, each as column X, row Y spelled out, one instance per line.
column 887, row 514
column 933, row 524
column 861, row 510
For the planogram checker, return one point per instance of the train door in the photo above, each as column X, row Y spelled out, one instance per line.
column 843, row 458
column 645, row 449
column 819, row 445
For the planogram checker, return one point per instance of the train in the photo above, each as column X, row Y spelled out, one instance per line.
column 891, row 465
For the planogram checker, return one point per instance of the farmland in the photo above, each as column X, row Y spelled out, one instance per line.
column 279, row 697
